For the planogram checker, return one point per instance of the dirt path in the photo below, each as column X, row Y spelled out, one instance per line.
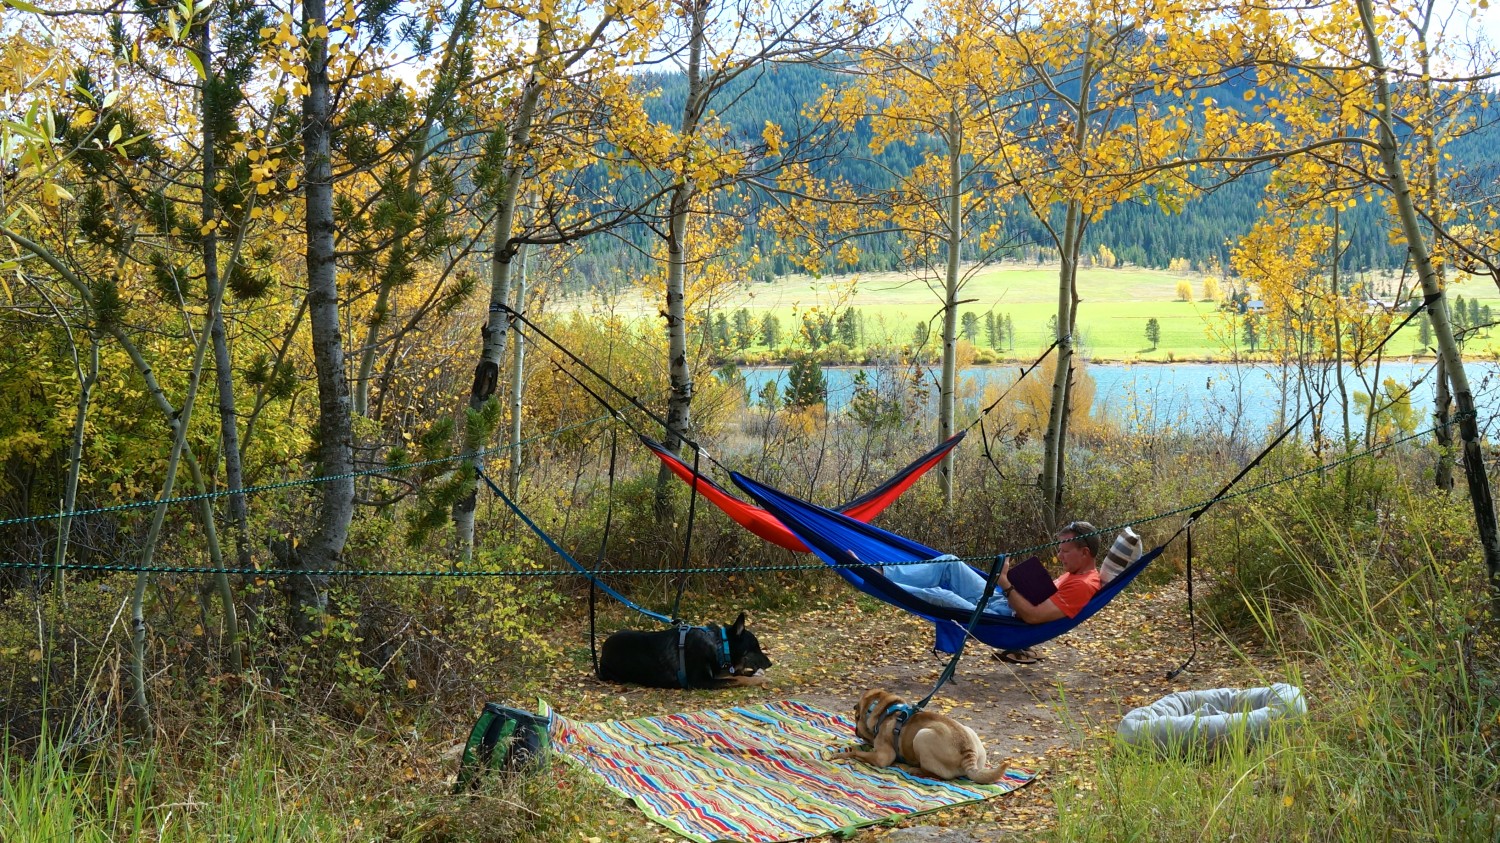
column 1043, row 716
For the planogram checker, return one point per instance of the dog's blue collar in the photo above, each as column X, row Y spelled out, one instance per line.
column 725, row 660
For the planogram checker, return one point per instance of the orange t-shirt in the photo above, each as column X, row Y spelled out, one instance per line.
column 1074, row 591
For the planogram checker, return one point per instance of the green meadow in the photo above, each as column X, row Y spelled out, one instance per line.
column 1116, row 306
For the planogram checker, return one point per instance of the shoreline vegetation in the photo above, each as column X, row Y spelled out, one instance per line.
column 1131, row 315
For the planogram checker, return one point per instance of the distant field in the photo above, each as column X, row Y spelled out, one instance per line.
column 1111, row 319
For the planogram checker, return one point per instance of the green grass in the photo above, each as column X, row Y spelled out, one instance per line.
column 1399, row 743
column 1116, row 304
column 280, row 784
column 245, row 796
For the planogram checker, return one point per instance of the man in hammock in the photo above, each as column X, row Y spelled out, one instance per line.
column 947, row 581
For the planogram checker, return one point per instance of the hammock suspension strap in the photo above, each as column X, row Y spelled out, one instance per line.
column 635, row 402
column 609, row 517
column 984, row 601
column 687, row 542
column 1192, row 617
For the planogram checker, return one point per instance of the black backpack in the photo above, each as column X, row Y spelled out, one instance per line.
column 505, row 739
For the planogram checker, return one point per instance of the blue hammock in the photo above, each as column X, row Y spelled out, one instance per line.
column 840, row 541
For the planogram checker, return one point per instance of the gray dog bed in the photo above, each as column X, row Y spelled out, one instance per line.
column 1194, row 719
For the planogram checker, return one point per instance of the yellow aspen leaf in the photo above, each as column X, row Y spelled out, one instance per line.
column 772, row 136
column 279, row 216
column 291, row 182
column 52, row 193
column 208, row 227
column 1249, row 95
column 263, row 188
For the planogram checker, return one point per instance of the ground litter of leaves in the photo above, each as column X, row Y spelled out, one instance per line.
column 1046, row 716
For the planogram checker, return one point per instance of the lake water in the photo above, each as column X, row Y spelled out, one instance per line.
column 1209, row 397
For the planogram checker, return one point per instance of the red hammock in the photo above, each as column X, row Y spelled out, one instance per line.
column 764, row 524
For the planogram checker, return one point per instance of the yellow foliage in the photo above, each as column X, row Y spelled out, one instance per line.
column 1027, row 408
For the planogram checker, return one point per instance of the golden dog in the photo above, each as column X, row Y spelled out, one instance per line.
column 939, row 745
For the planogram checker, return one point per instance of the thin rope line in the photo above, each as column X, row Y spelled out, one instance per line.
column 733, row 569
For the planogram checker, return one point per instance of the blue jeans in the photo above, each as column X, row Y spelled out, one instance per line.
column 948, row 582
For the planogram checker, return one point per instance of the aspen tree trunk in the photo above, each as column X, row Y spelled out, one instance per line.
column 503, row 253
column 1338, row 362
column 1442, row 475
column 178, row 423
column 224, row 377
column 517, row 370
column 1480, row 494
column 378, row 316
column 324, row 550
column 949, row 388
column 75, row 463
column 1054, row 445
column 1338, row 343
column 680, row 375
column 1054, row 451
column 1442, row 416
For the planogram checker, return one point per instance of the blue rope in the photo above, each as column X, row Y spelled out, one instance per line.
column 556, row 548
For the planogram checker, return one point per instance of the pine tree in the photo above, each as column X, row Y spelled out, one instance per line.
column 1252, row 332
column 721, row 332
column 919, row 336
column 770, row 396
column 744, row 330
column 826, row 328
column 848, row 327
column 1153, row 332
column 806, row 386
column 989, row 329
column 970, row 328
column 770, row 331
column 1010, row 331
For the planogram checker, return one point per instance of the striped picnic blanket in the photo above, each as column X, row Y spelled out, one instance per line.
column 755, row 773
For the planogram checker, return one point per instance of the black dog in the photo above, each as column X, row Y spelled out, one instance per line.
column 668, row 659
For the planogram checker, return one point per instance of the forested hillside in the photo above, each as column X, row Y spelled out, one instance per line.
column 1141, row 233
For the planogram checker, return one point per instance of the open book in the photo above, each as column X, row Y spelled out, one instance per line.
column 1032, row 581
